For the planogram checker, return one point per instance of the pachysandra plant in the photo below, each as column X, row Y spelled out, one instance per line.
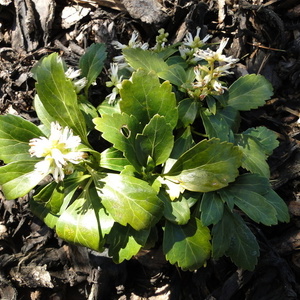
column 178, row 170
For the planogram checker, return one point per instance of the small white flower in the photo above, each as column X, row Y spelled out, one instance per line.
column 59, row 152
column 71, row 73
column 195, row 42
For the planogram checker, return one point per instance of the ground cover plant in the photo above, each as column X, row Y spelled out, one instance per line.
column 177, row 169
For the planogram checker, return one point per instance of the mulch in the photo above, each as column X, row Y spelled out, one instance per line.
column 264, row 35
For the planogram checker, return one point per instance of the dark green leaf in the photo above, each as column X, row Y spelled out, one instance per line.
column 212, row 208
column 187, row 111
column 188, row 245
column 249, row 92
column 232, row 237
column 175, row 74
column 91, row 63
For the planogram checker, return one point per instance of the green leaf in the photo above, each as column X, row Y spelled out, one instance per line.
column 125, row 242
column 113, row 159
column 248, row 194
column 208, row 166
column 146, row 98
column 187, row 111
column 177, row 211
column 92, row 62
column 183, row 143
column 15, row 134
column 85, row 221
column 19, row 178
column 58, row 96
column 188, row 245
column 89, row 112
column 266, row 138
column 254, row 157
column 280, row 206
column 232, row 237
column 42, row 114
column 215, row 125
column 156, row 140
column 212, row 208
column 52, row 196
column 249, row 92
column 129, row 200
column 175, row 74
column 147, row 60
column 121, row 131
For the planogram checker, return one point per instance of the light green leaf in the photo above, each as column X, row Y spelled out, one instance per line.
column 113, row 159
column 266, row 138
column 51, row 196
column 208, row 166
column 125, row 242
column 129, row 200
column 232, row 237
column 15, row 134
column 147, row 60
column 92, row 62
column 254, row 157
column 156, row 140
column 121, row 131
column 212, row 208
column 249, row 92
column 85, row 221
column 146, row 98
column 42, row 114
column 188, row 245
column 176, row 211
column 19, row 178
column 58, row 96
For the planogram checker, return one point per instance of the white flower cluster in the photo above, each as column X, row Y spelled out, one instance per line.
column 79, row 84
column 59, row 152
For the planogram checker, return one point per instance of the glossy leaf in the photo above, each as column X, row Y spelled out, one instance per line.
column 139, row 58
column 129, row 200
column 58, row 96
column 52, row 196
column 156, row 140
column 232, row 237
column 176, row 211
column 208, row 166
column 113, row 159
column 85, row 221
column 248, row 194
column 212, row 208
column 187, row 110
column 146, row 98
column 19, row 178
column 125, row 242
column 175, row 74
column 121, row 131
column 92, row 62
column 266, row 138
column 249, row 92
column 188, row 245
column 15, row 133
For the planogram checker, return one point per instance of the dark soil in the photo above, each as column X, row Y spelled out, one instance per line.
column 264, row 35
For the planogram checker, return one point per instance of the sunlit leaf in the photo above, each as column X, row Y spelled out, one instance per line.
column 129, row 200
column 188, row 245
column 15, row 133
column 208, row 166
column 249, row 92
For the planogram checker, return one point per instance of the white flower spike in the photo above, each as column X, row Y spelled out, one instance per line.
column 59, row 152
